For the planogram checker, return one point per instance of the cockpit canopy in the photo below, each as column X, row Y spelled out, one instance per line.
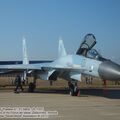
column 86, row 46
column 94, row 54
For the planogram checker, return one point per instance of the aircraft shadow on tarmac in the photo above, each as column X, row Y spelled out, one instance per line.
column 108, row 93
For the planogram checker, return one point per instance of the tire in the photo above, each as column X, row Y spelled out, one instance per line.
column 72, row 92
column 31, row 87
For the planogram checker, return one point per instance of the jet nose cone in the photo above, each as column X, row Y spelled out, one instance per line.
column 109, row 70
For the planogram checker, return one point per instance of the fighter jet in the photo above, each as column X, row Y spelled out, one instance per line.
column 72, row 67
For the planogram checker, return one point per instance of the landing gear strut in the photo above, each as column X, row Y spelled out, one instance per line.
column 32, row 85
column 105, row 87
column 73, row 88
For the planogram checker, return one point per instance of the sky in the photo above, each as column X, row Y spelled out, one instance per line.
column 42, row 22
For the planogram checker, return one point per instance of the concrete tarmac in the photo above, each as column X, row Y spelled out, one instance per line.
column 84, row 107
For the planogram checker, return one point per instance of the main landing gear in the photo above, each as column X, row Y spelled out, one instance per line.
column 73, row 88
column 32, row 85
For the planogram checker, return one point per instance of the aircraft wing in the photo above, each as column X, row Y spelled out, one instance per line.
column 46, row 71
column 40, row 67
column 36, row 67
column 21, row 67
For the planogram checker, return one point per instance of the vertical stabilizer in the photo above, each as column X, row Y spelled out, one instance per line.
column 61, row 49
column 25, row 57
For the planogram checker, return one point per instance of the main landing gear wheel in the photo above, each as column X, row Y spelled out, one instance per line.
column 32, row 87
column 73, row 88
